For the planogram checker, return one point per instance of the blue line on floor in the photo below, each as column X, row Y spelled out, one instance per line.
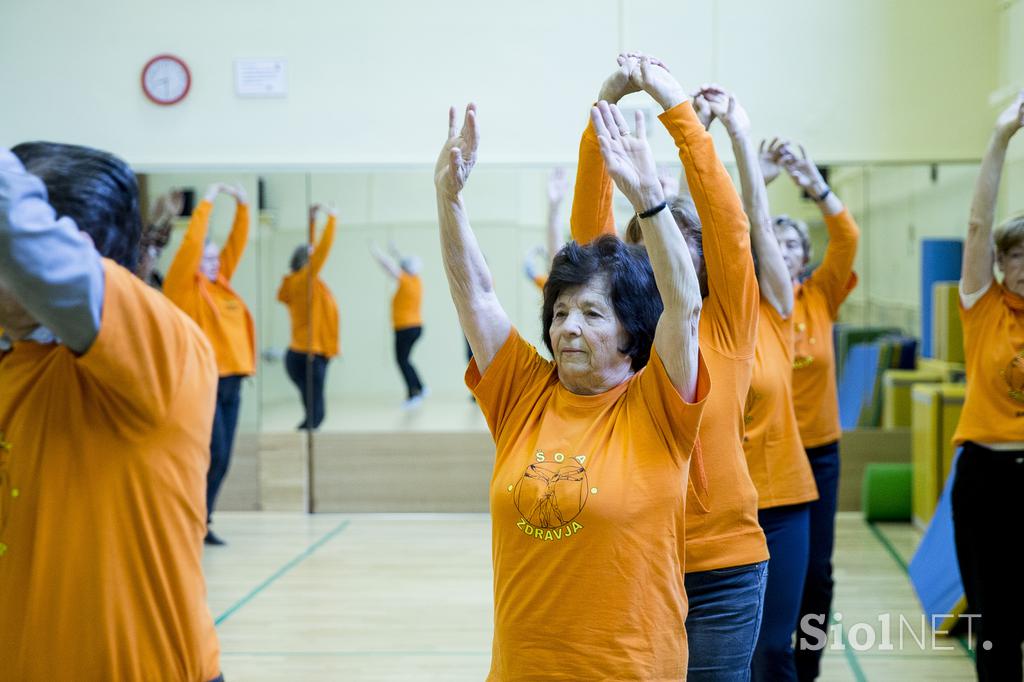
column 281, row 571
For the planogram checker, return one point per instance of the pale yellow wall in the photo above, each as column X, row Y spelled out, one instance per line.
column 369, row 83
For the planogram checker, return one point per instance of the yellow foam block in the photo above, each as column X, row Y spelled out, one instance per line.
column 947, row 330
column 935, row 411
column 896, row 385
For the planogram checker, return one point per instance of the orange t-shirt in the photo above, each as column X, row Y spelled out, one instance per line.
column 587, row 513
column 815, row 309
column 727, row 532
column 776, row 459
column 540, row 281
column 294, row 293
column 103, row 507
column 405, row 306
column 218, row 310
column 994, row 349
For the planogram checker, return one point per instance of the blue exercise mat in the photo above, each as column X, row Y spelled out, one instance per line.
column 934, row 571
column 856, row 385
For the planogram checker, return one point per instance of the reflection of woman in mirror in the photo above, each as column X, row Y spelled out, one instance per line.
column 314, row 320
column 558, row 187
column 816, row 307
column 406, row 315
column 199, row 282
column 156, row 233
column 987, row 507
column 602, row 596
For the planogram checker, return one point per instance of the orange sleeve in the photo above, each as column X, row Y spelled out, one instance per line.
column 733, row 293
column 323, row 247
column 282, row 292
column 234, row 247
column 591, row 214
column 517, row 373
column 182, row 272
column 540, row 281
column 835, row 276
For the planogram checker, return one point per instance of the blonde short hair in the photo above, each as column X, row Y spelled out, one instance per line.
column 783, row 222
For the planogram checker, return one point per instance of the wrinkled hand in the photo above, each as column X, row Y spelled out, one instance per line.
column 619, row 83
column 725, row 107
column 628, row 157
column 238, row 192
column 702, row 109
column 558, row 185
column 769, row 156
column 1012, row 118
column 653, row 77
column 802, row 170
column 458, row 155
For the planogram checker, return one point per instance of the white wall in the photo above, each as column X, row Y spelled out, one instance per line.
column 369, row 83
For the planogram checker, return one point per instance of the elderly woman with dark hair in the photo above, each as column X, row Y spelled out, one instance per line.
column 987, row 510
column 593, row 448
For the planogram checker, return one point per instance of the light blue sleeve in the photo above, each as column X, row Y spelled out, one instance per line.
column 48, row 265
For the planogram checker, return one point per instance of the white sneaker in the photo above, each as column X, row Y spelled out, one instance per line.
column 412, row 403
column 425, row 392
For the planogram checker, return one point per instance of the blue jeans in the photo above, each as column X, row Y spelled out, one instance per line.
column 788, row 532
column 724, row 618
column 225, row 421
column 312, row 396
column 817, row 600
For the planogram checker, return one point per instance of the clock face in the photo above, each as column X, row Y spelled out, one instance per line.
column 166, row 79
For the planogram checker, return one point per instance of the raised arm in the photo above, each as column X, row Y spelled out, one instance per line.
column 484, row 321
column 185, row 265
column 732, row 283
column 631, row 165
column 592, row 214
column 385, row 263
column 558, row 187
column 835, row 274
column 49, row 267
column 979, row 253
column 773, row 278
column 323, row 247
column 236, row 242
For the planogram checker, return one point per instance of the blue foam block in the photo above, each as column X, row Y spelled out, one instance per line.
column 940, row 262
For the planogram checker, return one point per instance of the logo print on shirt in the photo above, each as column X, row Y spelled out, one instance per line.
column 550, row 495
column 801, row 354
column 1013, row 375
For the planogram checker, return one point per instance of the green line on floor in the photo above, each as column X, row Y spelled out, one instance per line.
column 851, row 658
column 281, row 571
column 961, row 639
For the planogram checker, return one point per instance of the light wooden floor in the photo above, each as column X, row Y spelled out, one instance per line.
column 352, row 597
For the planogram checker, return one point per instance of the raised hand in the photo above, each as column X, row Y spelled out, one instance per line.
column 458, row 155
column 653, row 77
column 314, row 209
column 702, row 109
column 803, row 171
column 768, row 155
column 619, row 84
column 238, row 192
column 628, row 157
column 725, row 107
column 558, row 185
column 1012, row 118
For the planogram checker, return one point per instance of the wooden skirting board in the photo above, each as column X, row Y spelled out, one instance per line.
column 434, row 471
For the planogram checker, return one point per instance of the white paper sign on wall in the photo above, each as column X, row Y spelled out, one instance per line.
column 261, row 78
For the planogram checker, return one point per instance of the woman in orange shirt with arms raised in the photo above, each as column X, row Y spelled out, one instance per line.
column 199, row 282
column 406, row 316
column 775, row 456
column 593, row 448
column 314, row 329
column 987, row 508
column 726, row 552
column 816, row 307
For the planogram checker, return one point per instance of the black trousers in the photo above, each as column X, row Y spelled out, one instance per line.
column 988, row 523
column 225, row 422
column 312, row 397
column 404, row 341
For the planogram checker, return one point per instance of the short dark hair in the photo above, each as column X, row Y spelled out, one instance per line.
column 95, row 189
column 631, row 287
column 300, row 256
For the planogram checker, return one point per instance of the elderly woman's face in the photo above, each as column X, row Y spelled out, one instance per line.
column 586, row 337
column 792, row 251
column 210, row 265
column 1011, row 263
